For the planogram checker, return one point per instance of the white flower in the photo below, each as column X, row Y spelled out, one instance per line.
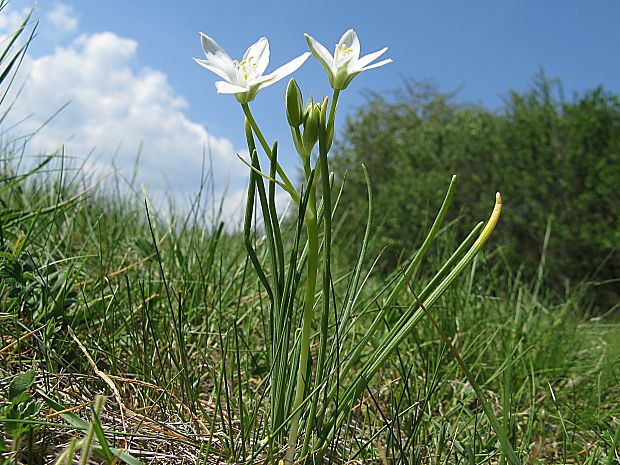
column 244, row 78
column 346, row 62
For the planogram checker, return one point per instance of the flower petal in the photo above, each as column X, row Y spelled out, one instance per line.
column 259, row 52
column 216, row 56
column 211, row 47
column 367, row 59
column 349, row 40
column 320, row 52
column 376, row 65
column 283, row 70
column 228, row 88
column 214, row 69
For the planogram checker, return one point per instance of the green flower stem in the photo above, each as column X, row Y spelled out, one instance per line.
column 332, row 118
column 323, row 167
column 313, row 262
column 265, row 145
column 299, row 146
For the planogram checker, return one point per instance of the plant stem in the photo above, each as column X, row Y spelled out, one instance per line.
column 323, row 167
column 304, row 350
column 332, row 116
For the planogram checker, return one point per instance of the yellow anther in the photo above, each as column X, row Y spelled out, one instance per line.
column 342, row 50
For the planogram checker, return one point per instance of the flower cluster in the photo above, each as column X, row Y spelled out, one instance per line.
column 246, row 77
column 302, row 396
column 310, row 124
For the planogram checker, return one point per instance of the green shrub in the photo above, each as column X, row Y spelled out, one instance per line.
column 555, row 161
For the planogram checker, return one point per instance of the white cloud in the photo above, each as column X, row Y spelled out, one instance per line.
column 10, row 21
column 63, row 18
column 115, row 107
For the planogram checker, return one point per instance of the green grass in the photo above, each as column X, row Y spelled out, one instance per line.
column 134, row 334
column 165, row 316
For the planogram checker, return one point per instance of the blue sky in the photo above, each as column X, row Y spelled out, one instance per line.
column 157, row 95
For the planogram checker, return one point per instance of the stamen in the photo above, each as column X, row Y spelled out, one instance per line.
column 342, row 51
column 246, row 68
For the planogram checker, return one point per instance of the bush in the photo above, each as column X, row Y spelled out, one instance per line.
column 556, row 163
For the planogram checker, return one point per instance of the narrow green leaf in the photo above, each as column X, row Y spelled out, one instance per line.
column 103, row 442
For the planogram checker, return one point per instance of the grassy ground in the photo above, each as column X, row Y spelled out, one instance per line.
column 165, row 317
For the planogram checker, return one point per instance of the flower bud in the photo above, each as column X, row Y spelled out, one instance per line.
column 327, row 130
column 311, row 127
column 325, row 140
column 294, row 104
column 324, row 112
column 309, row 105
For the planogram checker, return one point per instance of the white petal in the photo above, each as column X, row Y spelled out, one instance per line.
column 262, row 61
column 216, row 56
column 260, row 53
column 325, row 58
column 367, row 59
column 283, row 70
column 228, row 88
column 214, row 69
column 349, row 39
column 210, row 46
column 376, row 65
column 260, row 81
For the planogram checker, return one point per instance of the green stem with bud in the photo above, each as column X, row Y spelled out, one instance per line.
column 324, row 146
column 325, row 139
